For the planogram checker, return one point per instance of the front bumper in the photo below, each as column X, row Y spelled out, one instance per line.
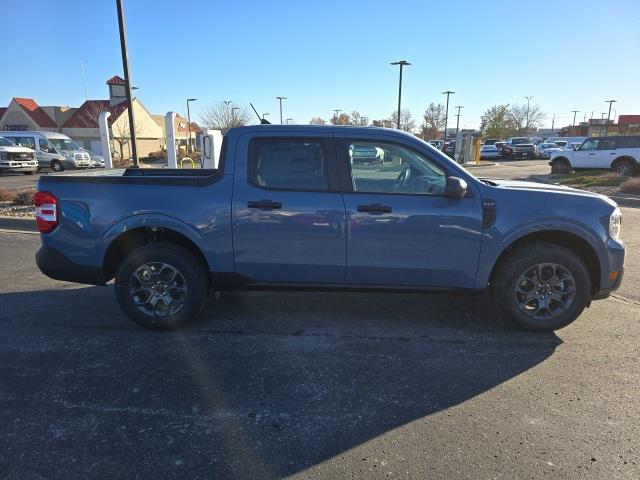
column 56, row 265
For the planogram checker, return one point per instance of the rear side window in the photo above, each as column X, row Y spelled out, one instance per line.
column 607, row 144
column 288, row 164
column 629, row 142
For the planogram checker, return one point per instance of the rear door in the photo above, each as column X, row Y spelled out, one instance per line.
column 288, row 213
column 606, row 153
column 402, row 231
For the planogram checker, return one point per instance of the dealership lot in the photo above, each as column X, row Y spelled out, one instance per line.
column 314, row 385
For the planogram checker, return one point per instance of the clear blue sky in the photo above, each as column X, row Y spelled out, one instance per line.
column 331, row 54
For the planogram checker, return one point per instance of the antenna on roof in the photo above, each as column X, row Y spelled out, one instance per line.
column 84, row 79
column 263, row 121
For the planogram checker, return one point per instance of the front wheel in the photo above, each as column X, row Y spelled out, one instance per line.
column 542, row 287
column 161, row 286
column 56, row 166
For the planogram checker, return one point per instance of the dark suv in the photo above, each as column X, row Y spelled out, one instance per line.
column 518, row 147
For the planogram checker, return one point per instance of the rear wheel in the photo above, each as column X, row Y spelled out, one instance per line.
column 56, row 166
column 624, row 167
column 542, row 287
column 561, row 165
column 161, row 286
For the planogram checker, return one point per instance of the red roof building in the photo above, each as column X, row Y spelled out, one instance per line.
column 32, row 109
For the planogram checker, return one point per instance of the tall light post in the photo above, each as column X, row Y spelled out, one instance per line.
column 289, row 121
column 336, row 111
column 458, row 119
column 280, row 99
column 402, row 63
column 526, row 128
column 127, row 81
column 573, row 127
column 446, row 113
column 233, row 116
column 189, row 124
column 610, row 102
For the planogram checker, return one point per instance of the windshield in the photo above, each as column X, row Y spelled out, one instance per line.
column 64, row 144
column 5, row 143
column 518, row 141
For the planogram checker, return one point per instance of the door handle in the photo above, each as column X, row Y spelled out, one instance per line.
column 264, row 204
column 374, row 208
column 592, row 154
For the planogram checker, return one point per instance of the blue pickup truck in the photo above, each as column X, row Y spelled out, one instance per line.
column 288, row 208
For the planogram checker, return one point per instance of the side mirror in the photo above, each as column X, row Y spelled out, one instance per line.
column 455, row 188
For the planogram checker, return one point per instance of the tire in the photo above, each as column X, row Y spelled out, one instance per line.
column 624, row 168
column 165, row 269
column 56, row 166
column 513, row 280
column 561, row 166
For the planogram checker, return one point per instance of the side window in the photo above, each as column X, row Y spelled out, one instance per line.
column 288, row 164
column 44, row 145
column 629, row 142
column 588, row 145
column 28, row 142
column 607, row 144
column 379, row 167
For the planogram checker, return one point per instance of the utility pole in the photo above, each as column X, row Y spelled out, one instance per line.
column 526, row 128
column 189, row 124
column 573, row 127
column 127, row 82
column 446, row 113
column 336, row 112
column 402, row 63
column 458, row 119
column 609, row 114
column 280, row 99
column 553, row 122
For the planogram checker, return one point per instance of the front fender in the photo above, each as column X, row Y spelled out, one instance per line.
column 495, row 243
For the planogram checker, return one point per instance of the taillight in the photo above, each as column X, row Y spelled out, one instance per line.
column 46, row 205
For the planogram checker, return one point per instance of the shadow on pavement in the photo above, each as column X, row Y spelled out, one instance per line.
column 264, row 385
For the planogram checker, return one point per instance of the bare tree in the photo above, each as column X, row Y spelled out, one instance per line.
column 317, row 121
column 358, row 119
column 525, row 117
column 407, row 122
column 223, row 116
column 433, row 121
column 121, row 135
column 385, row 122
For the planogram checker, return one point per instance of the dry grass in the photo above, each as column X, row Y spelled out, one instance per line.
column 631, row 186
column 592, row 178
column 7, row 195
column 24, row 197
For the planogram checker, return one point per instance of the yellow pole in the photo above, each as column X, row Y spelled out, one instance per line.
column 478, row 146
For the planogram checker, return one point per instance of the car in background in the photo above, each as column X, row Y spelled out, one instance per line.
column 53, row 150
column 574, row 145
column 97, row 161
column 536, row 140
column 489, row 151
column 491, row 141
column 364, row 153
column 499, row 146
column 518, row 148
column 620, row 154
column 544, row 150
column 436, row 143
column 563, row 144
column 450, row 148
column 16, row 159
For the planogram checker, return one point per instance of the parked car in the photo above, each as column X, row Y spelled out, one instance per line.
column 364, row 154
column 450, row 148
column 53, row 150
column 491, row 141
column 500, row 146
column 287, row 210
column 619, row 154
column 518, row 147
column 436, row 143
column 574, row 145
column 536, row 140
column 16, row 159
column 562, row 144
column 489, row 151
column 544, row 150
column 97, row 161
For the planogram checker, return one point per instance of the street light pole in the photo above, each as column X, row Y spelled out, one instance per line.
column 446, row 114
column 526, row 128
column 573, row 127
column 189, row 124
column 233, row 116
column 127, row 82
column 608, row 115
column 402, row 63
column 280, row 99
column 458, row 119
column 336, row 111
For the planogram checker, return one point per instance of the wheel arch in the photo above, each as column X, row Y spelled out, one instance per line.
column 623, row 158
column 563, row 238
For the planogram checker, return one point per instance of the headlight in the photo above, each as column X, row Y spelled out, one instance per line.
column 615, row 220
column 68, row 154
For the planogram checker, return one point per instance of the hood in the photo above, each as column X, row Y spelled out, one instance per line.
column 16, row 149
column 548, row 188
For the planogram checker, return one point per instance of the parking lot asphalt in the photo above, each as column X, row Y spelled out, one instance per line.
column 313, row 385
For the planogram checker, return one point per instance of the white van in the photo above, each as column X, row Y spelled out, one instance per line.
column 53, row 150
column 16, row 159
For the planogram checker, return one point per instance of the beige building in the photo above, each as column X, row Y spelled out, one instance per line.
column 81, row 124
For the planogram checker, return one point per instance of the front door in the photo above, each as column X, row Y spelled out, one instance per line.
column 585, row 156
column 402, row 231
column 288, row 215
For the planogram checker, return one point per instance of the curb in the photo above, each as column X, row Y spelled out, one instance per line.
column 18, row 224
